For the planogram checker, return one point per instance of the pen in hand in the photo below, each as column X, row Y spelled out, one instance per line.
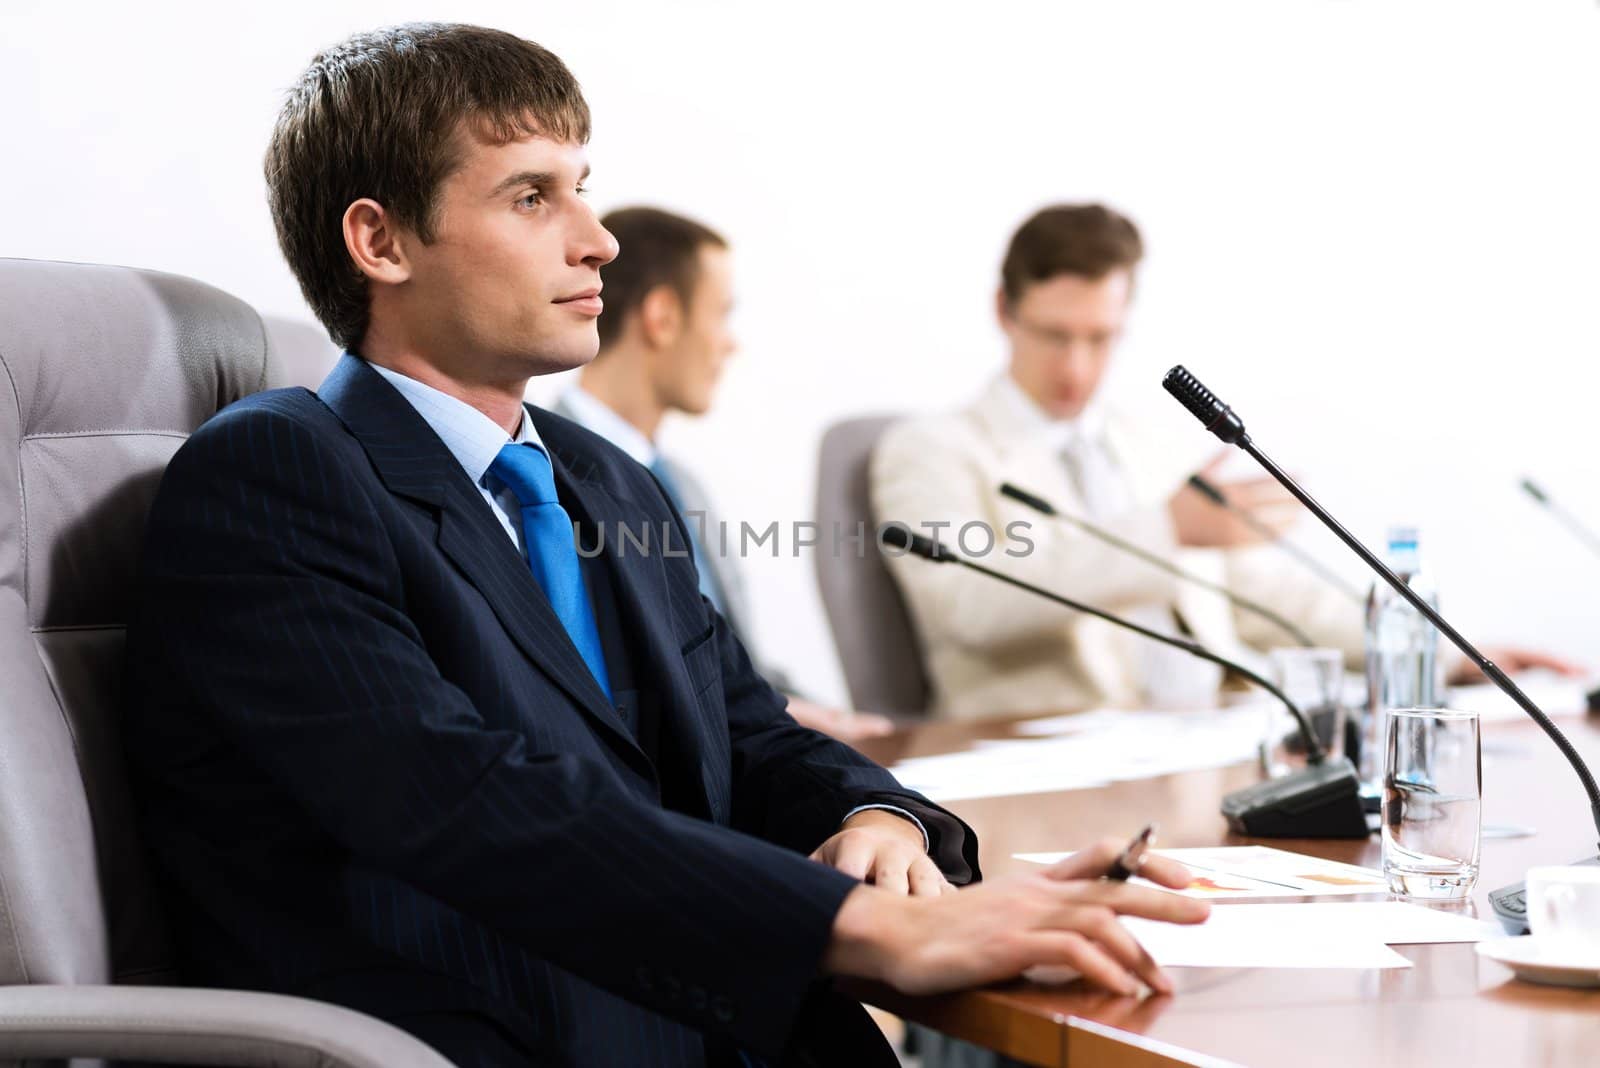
column 1131, row 859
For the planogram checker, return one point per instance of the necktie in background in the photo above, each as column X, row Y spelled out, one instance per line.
column 525, row 470
column 1167, row 677
column 708, row 578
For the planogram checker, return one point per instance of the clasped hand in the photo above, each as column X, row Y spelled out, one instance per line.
column 884, row 849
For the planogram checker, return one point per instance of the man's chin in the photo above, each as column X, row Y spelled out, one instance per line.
column 697, row 404
column 552, row 359
column 1062, row 411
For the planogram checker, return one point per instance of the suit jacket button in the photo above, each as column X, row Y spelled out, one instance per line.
column 722, row 1010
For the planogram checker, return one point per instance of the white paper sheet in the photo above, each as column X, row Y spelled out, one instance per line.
column 1262, row 936
column 1556, row 695
column 1343, row 934
column 1079, row 722
column 1239, row 872
column 1098, row 748
column 1395, row 923
column 1353, row 934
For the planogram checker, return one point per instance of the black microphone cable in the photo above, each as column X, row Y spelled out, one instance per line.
column 1321, row 800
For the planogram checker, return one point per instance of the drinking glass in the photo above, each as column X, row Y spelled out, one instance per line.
column 1432, row 802
column 1314, row 680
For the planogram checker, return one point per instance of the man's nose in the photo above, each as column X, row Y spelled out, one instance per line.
column 1077, row 361
column 592, row 244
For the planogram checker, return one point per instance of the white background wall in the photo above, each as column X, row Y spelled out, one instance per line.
column 1355, row 211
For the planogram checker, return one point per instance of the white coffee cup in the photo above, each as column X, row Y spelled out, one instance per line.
column 1564, row 911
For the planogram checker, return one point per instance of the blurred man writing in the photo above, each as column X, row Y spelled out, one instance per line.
column 1066, row 288
column 1067, row 284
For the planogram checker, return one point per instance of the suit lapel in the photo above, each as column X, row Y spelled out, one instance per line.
column 644, row 601
column 727, row 578
column 414, row 463
column 1023, row 460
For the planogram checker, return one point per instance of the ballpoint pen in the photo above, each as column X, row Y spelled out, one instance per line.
column 1131, row 859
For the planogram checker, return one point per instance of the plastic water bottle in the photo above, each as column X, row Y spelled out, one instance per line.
column 1402, row 648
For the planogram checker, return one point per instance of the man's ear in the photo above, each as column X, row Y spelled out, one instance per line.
column 661, row 316
column 1002, row 309
column 375, row 243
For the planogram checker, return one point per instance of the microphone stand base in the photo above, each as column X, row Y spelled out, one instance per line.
column 1321, row 801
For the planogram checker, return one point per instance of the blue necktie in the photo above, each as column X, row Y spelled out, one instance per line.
column 525, row 470
column 709, row 586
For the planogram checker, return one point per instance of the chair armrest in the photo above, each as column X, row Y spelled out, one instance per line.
column 188, row 1025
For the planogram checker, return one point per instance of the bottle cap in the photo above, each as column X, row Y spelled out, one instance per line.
column 1402, row 537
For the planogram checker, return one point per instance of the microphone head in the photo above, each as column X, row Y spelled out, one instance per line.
column 1531, row 488
column 1204, row 405
column 899, row 536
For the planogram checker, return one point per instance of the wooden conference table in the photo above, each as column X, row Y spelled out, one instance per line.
column 1450, row 1008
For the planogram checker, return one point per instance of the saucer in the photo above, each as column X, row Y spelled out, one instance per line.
column 1529, row 961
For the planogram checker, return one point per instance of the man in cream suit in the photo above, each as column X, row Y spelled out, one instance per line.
column 990, row 649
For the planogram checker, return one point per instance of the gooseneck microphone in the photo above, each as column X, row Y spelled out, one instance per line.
column 1320, row 801
column 1564, row 517
column 1222, row 421
column 1579, row 530
column 1044, row 507
column 1213, row 493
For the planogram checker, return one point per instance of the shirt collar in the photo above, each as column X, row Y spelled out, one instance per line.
column 593, row 414
column 1088, row 426
column 472, row 437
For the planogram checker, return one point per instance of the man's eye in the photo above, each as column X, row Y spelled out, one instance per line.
column 531, row 200
column 583, row 190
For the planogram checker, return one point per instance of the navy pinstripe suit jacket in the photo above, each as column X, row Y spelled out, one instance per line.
column 373, row 769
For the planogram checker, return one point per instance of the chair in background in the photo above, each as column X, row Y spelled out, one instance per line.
column 104, row 371
column 872, row 631
column 298, row 353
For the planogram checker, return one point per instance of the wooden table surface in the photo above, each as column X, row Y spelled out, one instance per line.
column 1450, row 1008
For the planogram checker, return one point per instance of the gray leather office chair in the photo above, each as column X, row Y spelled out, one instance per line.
column 872, row 631
column 103, row 373
column 298, row 353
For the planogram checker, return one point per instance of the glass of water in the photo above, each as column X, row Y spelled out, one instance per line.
column 1432, row 802
column 1314, row 680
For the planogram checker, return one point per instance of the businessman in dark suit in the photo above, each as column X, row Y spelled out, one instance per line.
column 426, row 712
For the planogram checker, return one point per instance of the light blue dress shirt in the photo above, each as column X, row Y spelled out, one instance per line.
column 472, row 438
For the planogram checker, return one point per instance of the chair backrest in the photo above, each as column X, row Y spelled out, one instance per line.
column 298, row 353
column 104, row 371
column 872, row 631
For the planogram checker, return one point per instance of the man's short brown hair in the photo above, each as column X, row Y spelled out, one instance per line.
column 1086, row 240
column 656, row 248
column 382, row 115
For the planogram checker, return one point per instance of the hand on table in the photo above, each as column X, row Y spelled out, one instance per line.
column 1512, row 660
column 837, row 722
column 1200, row 523
column 884, row 849
column 1064, row 915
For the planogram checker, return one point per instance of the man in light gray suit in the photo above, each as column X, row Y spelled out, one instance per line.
column 664, row 339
